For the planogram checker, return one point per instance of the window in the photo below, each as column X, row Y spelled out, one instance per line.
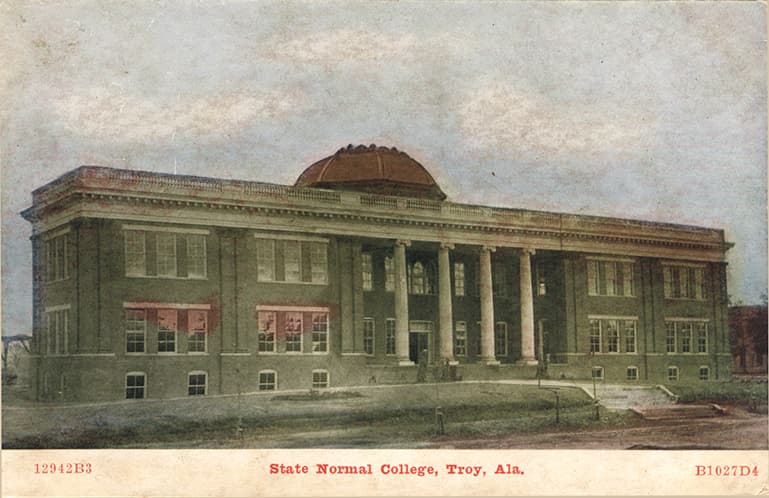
column 135, row 254
column 597, row 373
column 389, row 264
column 367, row 269
column 56, row 260
column 500, row 339
column 196, row 384
column 135, row 385
column 167, row 326
column 672, row 374
column 632, row 373
column 197, row 331
column 368, row 335
column 268, row 380
column 612, row 334
column 460, row 339
column 704, row 373
column 686, row 336
column 293, row 332
column 168, row 262
column 390, row 336
column 303, row 261
column 684, row 282
column 619, row 334
column 319, row 379
column 610, row 278
column 57, row 331
column 292, row 261
column 459, row 279
column 541, row 280
column 265, row 260
column 499, row 279
column 595, row 336
column 670, row 337
column 421, row 278
column 630, row 336
column 165, row 244
column 267, row 326
column 196, row 256
column 702, row 337
column 318, row 263
column 320, row 332
column 135, row 330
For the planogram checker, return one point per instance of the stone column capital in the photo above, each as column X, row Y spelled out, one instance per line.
column 447, row 245
column 487, row 248
column 528, row 250
column 403, row 242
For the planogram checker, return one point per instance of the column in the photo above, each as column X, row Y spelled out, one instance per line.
column 527, row 309
column 445, row 315
column 487, row 308
column 401, row 304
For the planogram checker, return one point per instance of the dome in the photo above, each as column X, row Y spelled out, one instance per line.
column 379, row 170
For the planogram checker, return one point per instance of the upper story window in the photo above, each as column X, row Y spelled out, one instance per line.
column 607, row 277
column 499, row 279
column 421, row 277
column 541, row 287
column 367, row 270
column 684, row 281
column 56, row 258
column 165, row 252
column 459, row 278
column 265, row 260
column 291, row 259
column 389, row 265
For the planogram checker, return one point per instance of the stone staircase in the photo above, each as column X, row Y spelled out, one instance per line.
column 652, row 402
column 620, row 397
column 672, row 412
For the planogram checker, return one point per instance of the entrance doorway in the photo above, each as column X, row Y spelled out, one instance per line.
column 417, row 344
column 420, row 333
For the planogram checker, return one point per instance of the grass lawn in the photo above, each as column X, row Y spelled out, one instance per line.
column 369, row 417
column 722, row 392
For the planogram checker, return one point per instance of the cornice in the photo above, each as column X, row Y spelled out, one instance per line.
column 104, row 199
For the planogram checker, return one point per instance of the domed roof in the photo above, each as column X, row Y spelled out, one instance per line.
column 380, row 170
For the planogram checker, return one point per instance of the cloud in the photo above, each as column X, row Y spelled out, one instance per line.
column 505, row 115
column 106, row 113
column 349, row 44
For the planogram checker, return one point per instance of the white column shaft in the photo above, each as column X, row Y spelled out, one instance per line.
column 487, row 308
column 527, row 308
column 445, row 315
column 401, row 305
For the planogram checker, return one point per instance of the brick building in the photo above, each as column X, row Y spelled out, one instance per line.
column 748, row 325
column 150, row 285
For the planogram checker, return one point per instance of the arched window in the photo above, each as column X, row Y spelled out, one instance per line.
column 422, row 278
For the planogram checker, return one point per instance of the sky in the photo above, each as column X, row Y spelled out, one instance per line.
column 653, row 111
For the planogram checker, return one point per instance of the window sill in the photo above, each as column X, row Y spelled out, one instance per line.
column 612, row 296
column 163, row 277
column 281, row 282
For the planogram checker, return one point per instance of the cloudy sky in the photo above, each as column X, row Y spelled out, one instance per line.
column 641, row 110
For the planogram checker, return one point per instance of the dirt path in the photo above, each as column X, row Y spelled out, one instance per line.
column 739, row 430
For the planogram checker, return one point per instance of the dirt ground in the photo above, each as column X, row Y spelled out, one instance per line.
column 738, row 429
